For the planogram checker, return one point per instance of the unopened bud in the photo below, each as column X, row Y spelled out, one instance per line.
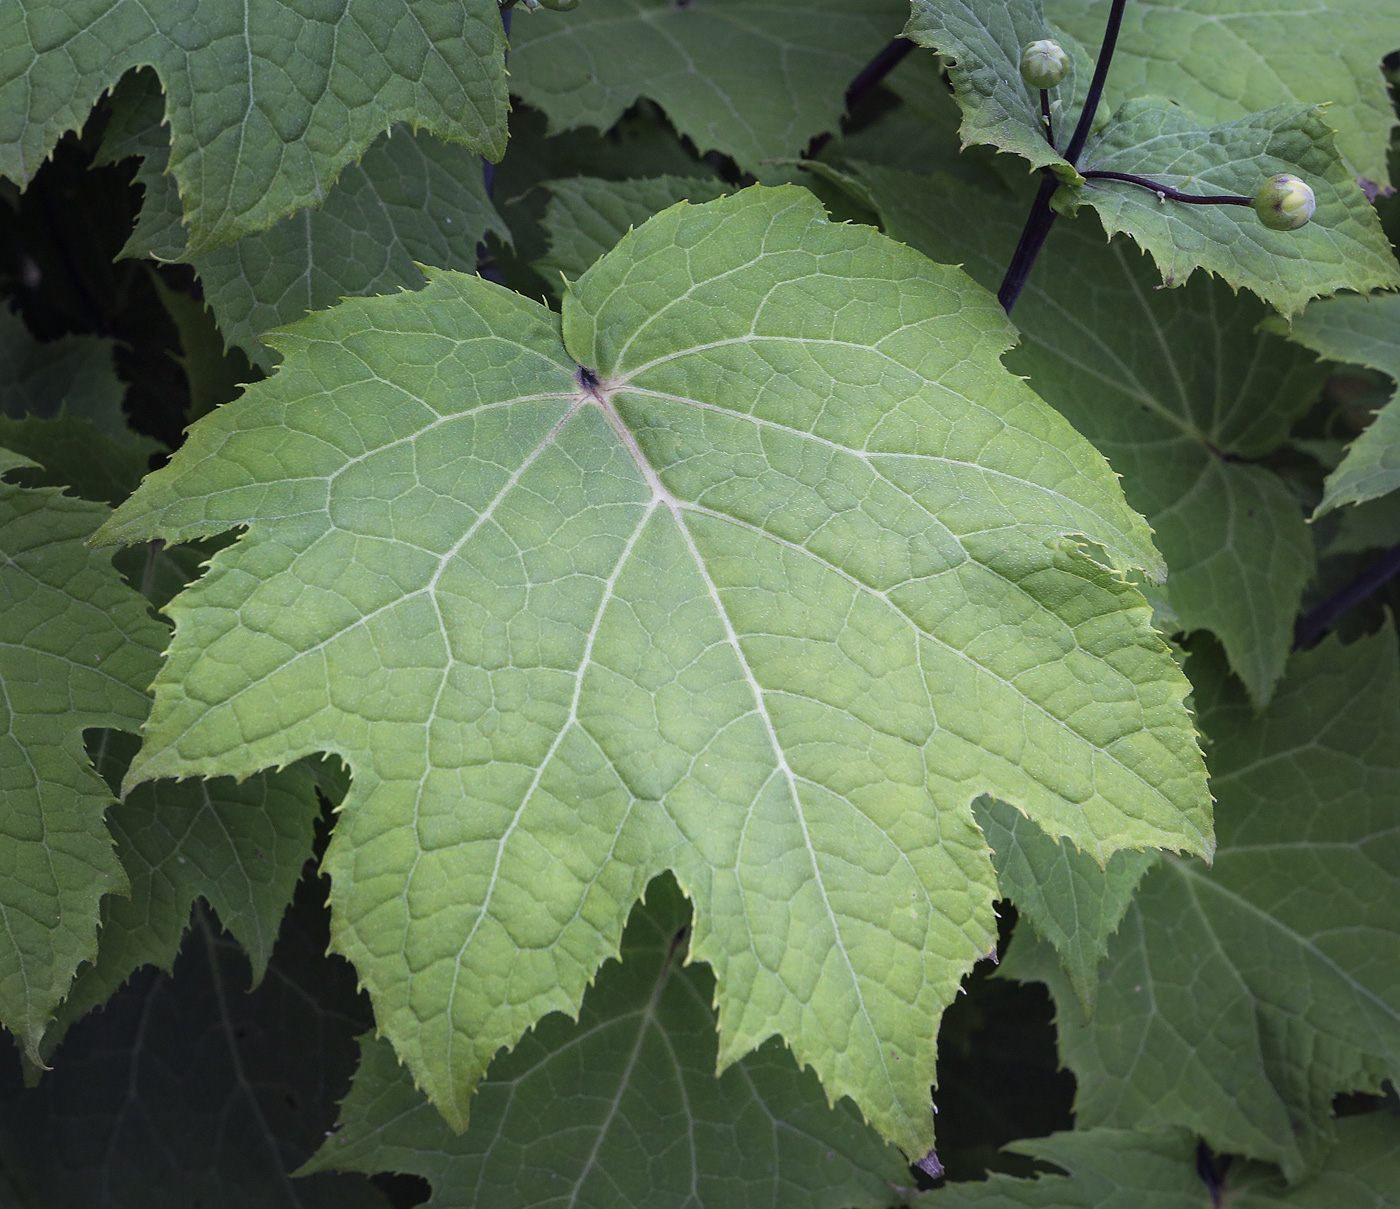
column 1284, row 202
column 1044, row 63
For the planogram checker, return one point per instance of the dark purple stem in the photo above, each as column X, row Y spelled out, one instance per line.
column 1042, row 217
column 1091, row 102
column 1195, row 199
column 1316, row 622
column 890, row 56
column 1045, row 117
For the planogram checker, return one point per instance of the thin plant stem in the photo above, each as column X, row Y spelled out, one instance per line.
column 1037, row 227
column 1313, row 624
column 1091, row 101
column 1045, row 119
column 1042, row 217
column 1166, row 191
column 890, row 56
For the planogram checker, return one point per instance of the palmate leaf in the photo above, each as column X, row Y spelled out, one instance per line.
column 1179, row 414
column 623, row 1107
column 1227, row 61
column 1158, row 1169
column 1364, row 330
column 410, row 199
column 1343, row 247
column 77, row 650
column 765, row 593
column 266, row 103
column 1238, row 1000
column 756, row 79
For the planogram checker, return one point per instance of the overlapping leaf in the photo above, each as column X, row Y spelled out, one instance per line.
column 1364, row 330
column 77, row 650
column 1177, row 390
column 1238, row 1000
column 1343, row 247
column 410, row 199
column 1159, row 1169
column 194, row 1089
column 764, row 593
column 920, row 134
column 266, row 103
column 1072, row 901
column 756, row 79
column 623, row 1107
column 587, row 216
column 1224, row 61
column 984, row 43
column 240, row 846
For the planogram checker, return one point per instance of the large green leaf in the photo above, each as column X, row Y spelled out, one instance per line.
column 622, row 1107
column 77, row 649
column 1225, row 61
column 266, row 103
column 1364, row 330
column 1175, row 387
column 1343, row 247
column 1238, row 1000
column 410, row 199
column 1158, row 1169
column 760, row 570
column 1072, row 901
column 984, row 43
column 756, row 79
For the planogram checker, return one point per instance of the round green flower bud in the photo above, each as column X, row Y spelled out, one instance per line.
column 1284, row 202
column 1044, row 63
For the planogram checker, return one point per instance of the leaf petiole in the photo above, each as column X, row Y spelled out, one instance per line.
column 1167, row 192
column 1042, row 217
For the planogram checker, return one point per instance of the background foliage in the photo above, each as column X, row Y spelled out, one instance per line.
column 655, row 616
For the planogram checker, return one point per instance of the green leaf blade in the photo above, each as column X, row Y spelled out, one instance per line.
column 756, row 80
column 1226, row 62
column 79, row 650
column 1364, row 330
column 1241, row 999
column 624, row 1106
column 1074, row 903
column 999, row 108
column 669, row 600
column 247, row 146
column 1343, row 247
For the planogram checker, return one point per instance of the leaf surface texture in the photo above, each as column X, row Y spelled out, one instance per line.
column 759, row 568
